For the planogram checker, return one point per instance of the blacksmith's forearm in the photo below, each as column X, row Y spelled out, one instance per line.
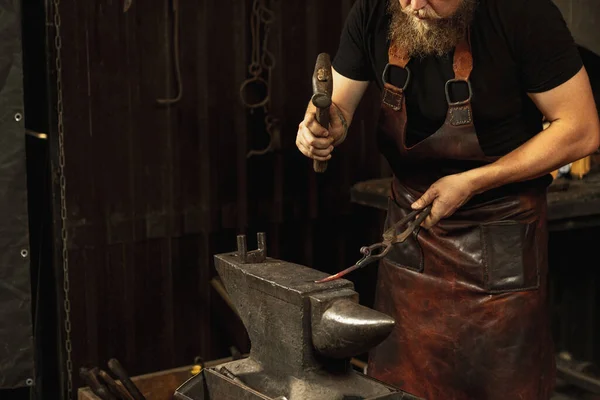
column 552, row 148
column 348, row 114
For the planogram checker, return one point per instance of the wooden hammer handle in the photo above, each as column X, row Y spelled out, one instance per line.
column 321, row 99
column 119, row 391
column 115, row 366
column 90, row 378
column 323, row 120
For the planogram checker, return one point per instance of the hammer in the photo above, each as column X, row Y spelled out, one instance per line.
column 119, row 391
column 91, row 379
column 322, row 83
column 115, row 366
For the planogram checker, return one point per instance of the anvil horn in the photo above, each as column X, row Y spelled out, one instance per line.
column 344, row 328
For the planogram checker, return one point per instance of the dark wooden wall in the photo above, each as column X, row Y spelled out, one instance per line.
column 153, row 191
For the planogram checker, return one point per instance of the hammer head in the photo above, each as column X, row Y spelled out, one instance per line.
column 322, row 82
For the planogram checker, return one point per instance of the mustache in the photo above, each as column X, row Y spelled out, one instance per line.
column 427, row 12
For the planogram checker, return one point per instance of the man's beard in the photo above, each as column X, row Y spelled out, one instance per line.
column 435, row 36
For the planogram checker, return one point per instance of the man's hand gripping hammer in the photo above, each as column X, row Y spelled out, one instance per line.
column 322, row 84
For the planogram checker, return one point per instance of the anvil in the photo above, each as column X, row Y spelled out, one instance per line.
column 303, row 335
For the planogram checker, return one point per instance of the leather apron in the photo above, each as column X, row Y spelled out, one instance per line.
column 469, row 294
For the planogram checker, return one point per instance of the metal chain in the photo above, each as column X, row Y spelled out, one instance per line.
column 63, row 197
column 262, row 62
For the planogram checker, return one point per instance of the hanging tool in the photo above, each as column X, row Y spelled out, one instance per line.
column 377, row 251
column 322, row 83
column 255, row 92
column 117, row 369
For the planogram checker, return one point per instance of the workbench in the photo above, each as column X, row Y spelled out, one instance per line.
column 572, row 203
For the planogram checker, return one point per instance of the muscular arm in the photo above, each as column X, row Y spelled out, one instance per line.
column 574, row 133
column 347, row 94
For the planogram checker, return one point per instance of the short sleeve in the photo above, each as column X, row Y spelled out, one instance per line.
column 351, row 59
column 545, row 48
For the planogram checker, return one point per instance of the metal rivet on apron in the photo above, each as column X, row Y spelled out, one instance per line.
column 18, row 117
column 24, row 253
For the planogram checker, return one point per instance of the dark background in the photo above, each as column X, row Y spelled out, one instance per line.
column 154, row 191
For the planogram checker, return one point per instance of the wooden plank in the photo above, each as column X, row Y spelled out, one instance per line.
column 113, row 324
column 154, row 129
column 277, row 110
column 153, row 300
column 205, row 244
column 240, row 12
column 190, row 111
column 222, row 109
column 107, row 134
column 190, row 299
column 208, row 143
column 296, row 77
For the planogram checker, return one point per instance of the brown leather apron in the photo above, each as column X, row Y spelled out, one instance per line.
column 469, row 294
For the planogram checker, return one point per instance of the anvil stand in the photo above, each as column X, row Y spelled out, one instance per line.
column 303, row 335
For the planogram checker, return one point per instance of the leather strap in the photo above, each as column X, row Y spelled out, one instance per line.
column 398, row 56
column 463, row 59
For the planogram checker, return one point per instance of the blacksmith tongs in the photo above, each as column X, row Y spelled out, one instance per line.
column 379, row 250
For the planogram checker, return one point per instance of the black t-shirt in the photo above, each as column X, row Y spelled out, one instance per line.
column 518, row 46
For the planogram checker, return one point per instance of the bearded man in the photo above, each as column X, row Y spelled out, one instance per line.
column 465, row 85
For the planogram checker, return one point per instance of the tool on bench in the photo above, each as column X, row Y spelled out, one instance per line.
column 322, row 83
column 117, row 369
column 231, row 375
column 90, row 378
column 119, row 391
column 379, row 250
column 582, row 374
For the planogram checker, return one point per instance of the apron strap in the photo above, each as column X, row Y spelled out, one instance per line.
column 398, row 56
column 463, row 59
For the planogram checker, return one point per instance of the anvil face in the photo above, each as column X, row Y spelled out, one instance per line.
column 302, row 333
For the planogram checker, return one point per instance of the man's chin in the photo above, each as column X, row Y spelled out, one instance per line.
column 422, row 24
